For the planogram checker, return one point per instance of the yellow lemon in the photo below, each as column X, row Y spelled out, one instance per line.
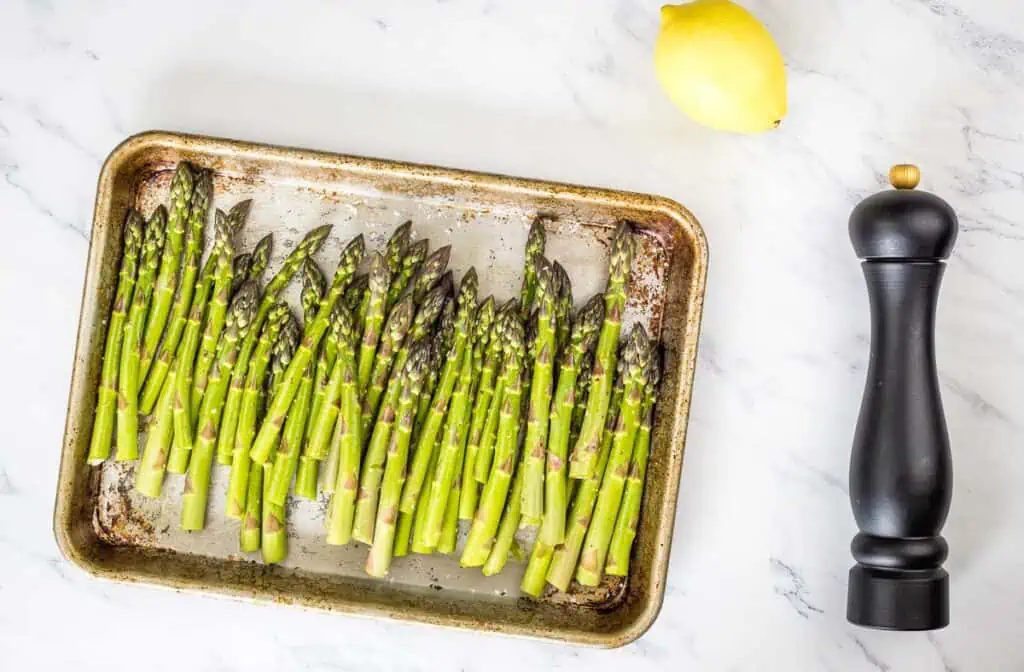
column 721, row 66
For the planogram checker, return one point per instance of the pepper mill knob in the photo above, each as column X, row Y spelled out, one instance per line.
column 900, row 466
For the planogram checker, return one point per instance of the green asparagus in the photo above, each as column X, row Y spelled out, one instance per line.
column 349, row 448
column 430, row 273
column 411, row 263
column 149, row 475
column 485, row 360
column 535, row 242
column 251, row 527
column 535, row 444
column 379, row 280
column 396, row 248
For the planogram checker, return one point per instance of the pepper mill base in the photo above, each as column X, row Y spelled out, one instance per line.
column 898, row 599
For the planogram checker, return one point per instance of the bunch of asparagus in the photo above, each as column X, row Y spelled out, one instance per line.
column 402, row 399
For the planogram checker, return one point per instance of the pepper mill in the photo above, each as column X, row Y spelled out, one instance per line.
column 901, row 467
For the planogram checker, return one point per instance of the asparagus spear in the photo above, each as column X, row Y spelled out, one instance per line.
column 379, row 280
column 582, row 391
column 411, row 263
column 485, row 453
column 281, row 354
column 581, row 341
column 240, row 266
column 308, row 246
column 629, row 511
column 152, row 246
column 184, row 418
column 506, row 534
column 107, row 399
column 149, row 475
column 170, row 260
column 340, row 433
column 419, row 541
column 445, row 387
column 485, row 359
column 323, row 424
column 595, row 548
column 357, row 300
column 249, row 530
column 450, row 527
column 562, row 564
column 451, row 448
column 535, row 445
column 403, row 534
column 495, row 492
column 197, row 216
column 287, row 459
column 429, row 273
column 396, row 248
column 584, row 453
column 346, row 476
column 270, row 430
column 274, row 533
column 238, row 487
column 563, row 305
column 224, row 289
column 534, row 250
column 442, row 345
column 197, row 480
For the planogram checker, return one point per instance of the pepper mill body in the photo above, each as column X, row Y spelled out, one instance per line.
column 901, row 464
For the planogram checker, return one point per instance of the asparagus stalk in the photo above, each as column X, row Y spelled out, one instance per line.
column 274, row 533
column 224, row 288
column 240, row 266
column 450, row 454
column 492, row 410
column 535, row 445
column 582, row 391
column 343, row 501
column 379, row 559
column 429, row 274
column 442, row 345
column 419, row 541
column 197, row 480
column 450, row 527
column 238, row 487
column 562, row 565
column 584, row 454
column 184, row 423
column 395, row 331
column 281, row 354
column 582, row 340
column 152, row 246
column 403, row 534
column 537, row 568
column 270, row 430
column 396, row 249
column 629, row 511
column 506, row 535
column 340, row 433
column 287, row 459
column 535, row 242
column 357, row 300
column 107, row 399
column 251, row 527
column 495, row 492
column 595, row 547
column 445, row 387
column 373, row 466
column 330, row 408
column 149, row 475
column 410, row 266
column 485, row 356
column 170, row 260
column 197, row 216
column 563, row 305
column 379, row 280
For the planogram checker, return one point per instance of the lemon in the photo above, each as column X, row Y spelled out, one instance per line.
column 720, row 66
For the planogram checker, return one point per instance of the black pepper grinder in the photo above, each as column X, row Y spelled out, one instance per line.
column 901, row 467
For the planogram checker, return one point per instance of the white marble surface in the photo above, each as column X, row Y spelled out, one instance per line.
column 562, row 91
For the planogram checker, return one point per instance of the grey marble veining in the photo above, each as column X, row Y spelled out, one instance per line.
column 562, row 91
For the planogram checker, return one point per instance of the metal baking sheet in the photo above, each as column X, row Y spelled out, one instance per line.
column 105, row 527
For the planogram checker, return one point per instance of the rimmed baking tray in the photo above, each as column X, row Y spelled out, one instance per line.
column 106, row 528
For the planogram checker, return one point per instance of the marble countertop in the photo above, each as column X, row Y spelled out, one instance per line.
column 563, row 91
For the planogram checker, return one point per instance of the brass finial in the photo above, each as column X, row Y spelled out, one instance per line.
column 904, row 176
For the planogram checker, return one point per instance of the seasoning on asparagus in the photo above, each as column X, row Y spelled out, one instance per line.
column 379, row 278
column 411, row 263
column 584, row 454
column 495, row 492
column 582, row 340
column 534, row 250
column 197, row 480
column 106, row 404
column 535, row 444
column 629, row 510
column 595, row 547
column 170, row 261
column 346, row 438
column 194, row 242
column 293, row 262
column 292, row 438
column 486, row 347
column 445, row 387
column 224, row 288
column 270, row 430
column 249, row 412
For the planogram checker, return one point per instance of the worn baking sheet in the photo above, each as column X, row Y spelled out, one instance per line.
column 104, row 526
